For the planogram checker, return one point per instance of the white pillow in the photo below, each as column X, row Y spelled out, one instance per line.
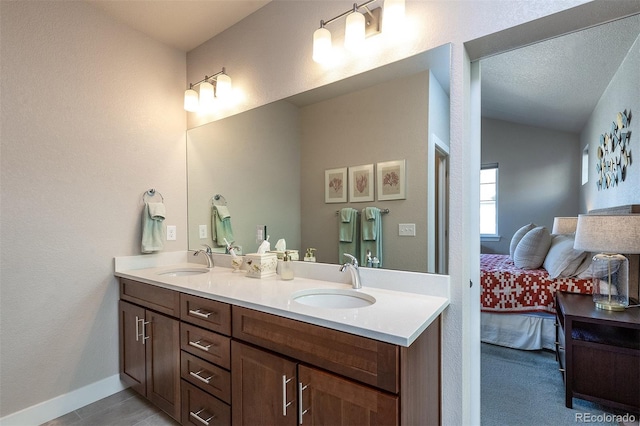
column 562, row 259
column 532, row 248
column 518, row 236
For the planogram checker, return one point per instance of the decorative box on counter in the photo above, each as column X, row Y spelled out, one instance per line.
column 261, row 265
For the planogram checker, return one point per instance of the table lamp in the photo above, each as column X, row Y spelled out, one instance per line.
column 564, row 225
column 609, row 235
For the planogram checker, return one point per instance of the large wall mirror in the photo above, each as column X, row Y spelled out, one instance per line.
column 268, row 164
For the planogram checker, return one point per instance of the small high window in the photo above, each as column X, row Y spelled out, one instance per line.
column 489, row 200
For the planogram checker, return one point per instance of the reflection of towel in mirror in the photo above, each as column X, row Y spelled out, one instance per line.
column 371, row 235
column 348, row 233
column 221, row 226
column 153, row 215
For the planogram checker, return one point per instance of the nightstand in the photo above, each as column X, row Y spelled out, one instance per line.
column 598, row 352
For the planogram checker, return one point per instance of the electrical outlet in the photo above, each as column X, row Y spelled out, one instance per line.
column 407, row 229
column 203, row 231
column 171, row 232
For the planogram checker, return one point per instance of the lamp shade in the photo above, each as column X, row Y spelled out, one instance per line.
column 354, row 32
column 564, row 225
column 608, row 233
column 321, row 45
column 206, row 96
column 191, row 100
column 223, row 86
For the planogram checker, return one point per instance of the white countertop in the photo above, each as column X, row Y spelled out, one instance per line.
column 396, row 317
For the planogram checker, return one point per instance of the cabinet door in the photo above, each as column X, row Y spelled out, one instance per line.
column 132, row 351
column 263, row 387
column 331, row 400
column 163, row 362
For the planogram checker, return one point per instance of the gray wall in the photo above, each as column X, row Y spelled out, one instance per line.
column 381, row 123
column 91, row 118
column 538, row 176
column 622, row 93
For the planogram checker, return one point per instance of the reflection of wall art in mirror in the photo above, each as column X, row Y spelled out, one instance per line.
column 392, row 180
column 614, row 153
column 335, row 185
column 361, row 183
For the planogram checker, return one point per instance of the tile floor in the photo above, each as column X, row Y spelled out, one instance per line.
column 125, row 408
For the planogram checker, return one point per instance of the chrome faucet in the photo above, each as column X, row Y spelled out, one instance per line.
column 209, row 254
column 353, row 268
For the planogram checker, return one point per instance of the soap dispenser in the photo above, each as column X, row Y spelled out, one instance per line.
column 286, row 268
column 310, row 255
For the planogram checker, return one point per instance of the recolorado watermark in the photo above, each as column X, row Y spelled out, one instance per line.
column 604, row 418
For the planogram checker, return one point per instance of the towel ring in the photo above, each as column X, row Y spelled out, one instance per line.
column 150, row 193
column 217, row 197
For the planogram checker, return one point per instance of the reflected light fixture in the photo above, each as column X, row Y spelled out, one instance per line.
column 213, row 86
column 609, row 235
column 358, row 26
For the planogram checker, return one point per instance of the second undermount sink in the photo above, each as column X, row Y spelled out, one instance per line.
column 181, row 272
column 333, row 298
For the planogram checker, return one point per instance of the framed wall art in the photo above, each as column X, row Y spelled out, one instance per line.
column 392, row 181
column 335, row 185
column 361, row 183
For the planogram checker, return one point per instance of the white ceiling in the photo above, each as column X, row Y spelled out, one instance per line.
column 184, row 24
column 556, row 83
column 553, row 84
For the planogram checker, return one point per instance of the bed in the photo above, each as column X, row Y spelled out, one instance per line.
column 518, row 305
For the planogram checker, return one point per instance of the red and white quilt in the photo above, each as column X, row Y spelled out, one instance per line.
column 506, row 288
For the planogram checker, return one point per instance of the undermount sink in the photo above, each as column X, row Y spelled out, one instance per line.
column 181, row 272
column 333, row 298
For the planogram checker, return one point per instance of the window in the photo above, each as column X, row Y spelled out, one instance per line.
column 585, row 165
column 489, row 200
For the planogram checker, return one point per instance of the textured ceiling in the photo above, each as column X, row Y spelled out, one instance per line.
column 184, row 24
column 556, row 83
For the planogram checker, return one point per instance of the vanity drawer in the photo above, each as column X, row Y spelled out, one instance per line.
column 206, row 376
column 366, row 360
column 206, row 344
column 207, row 313
column 150, row 296
column 199, row 408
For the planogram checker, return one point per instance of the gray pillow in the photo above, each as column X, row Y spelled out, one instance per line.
column 532, row 248
column 518, row 236
column 562, row 259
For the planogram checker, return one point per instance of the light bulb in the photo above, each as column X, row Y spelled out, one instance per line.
column 206, row 96
column 321, row 45
column 191, row 100
column 223, row 86
column 354, row 32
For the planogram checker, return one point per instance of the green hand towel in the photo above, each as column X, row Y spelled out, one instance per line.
column 348, row 241
column 153, row 215
column 221, row 226
column 371, row 235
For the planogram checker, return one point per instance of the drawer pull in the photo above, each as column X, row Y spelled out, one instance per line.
column 138, row 328
column 285, row 404
column 196, row 416
column 197, row 375
column 302, row 412
column 562, row 370
column 199, row 313
column 142, row 335
column 200, row 346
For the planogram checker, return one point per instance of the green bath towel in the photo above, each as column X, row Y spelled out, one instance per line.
column 371, row 235
column 347, row 233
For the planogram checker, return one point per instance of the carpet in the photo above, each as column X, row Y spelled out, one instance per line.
column 525, row 388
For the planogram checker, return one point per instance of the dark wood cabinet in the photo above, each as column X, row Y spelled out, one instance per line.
column 598, row 352
column 150, row 356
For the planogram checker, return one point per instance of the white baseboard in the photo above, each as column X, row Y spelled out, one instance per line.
column 63, row 404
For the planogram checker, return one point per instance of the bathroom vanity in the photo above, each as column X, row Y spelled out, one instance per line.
column 218, row 348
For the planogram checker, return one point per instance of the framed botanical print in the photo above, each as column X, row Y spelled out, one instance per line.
column 361, row 183
column 392, row 181
column 335, row 185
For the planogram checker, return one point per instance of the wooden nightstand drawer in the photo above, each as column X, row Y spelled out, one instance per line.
column 199, row 408
column 206, row 376
column 206, row 344
column 209, row 314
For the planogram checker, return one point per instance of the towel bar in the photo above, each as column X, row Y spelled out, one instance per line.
column 151, row 193
column 382, row 211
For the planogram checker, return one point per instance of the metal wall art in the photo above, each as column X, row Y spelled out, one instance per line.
column 614, row 153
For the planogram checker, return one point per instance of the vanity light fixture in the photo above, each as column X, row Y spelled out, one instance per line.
column 358, row 27
column 213, row 86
